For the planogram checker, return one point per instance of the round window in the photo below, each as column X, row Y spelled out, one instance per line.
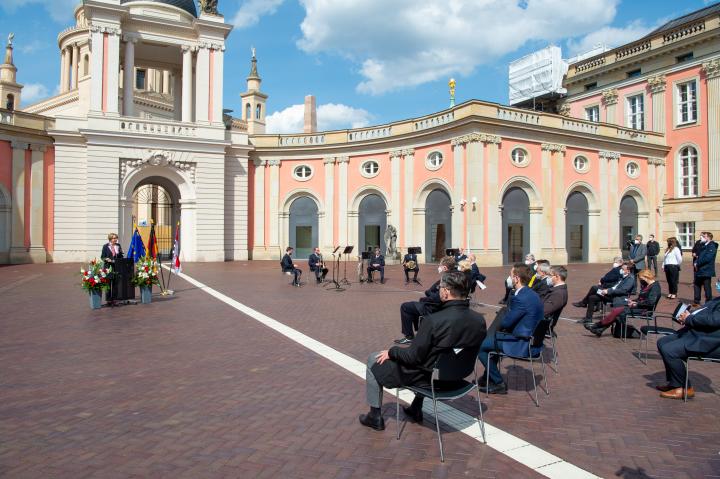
column 632, row 169
column 520, row 157
column 302, row 172
column 370, row 168
column 434, row 160
column 581, row 163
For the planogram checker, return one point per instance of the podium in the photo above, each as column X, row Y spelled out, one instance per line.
column 120, row 287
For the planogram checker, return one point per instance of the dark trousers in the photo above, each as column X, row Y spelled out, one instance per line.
column 672, row 274
column 410, row 313
column 296, row 272
column 702, row 282
column 592, row 291
column 594, row 300
column 379, row 268
column 415, row 273
column 652, row 263
column 320, row 273
column 508, row 291
column 673, row 352
column 491, row 368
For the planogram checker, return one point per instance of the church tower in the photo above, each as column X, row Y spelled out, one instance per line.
column 9, row 88
column 253, row 101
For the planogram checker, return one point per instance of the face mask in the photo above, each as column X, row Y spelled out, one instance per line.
column 717, row 285
column 535, row 267
column 440, row 270
column 615, row 265
column 548, row 280
column 637, row 241
column 623, row 273
column 528, row 262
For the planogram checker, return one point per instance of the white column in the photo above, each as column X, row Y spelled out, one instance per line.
column 218, row 66
column 113, row 71
column 166, row 82
column 558, row 193
column 273, row 206
column 187, row 82
column 395, row 207
column 657, row 86
column 712, row 77
column 409, row 192
column 343, row 200
column 75, row 65
column 18, row 253
column 652, row 200
column 96, row 69
column 329, row 233
column 594, row 239
column 613, row 159
column 537, row 227
column 475, row 186
column 604, row 211
column 202, row 84
column 493, row 217
column 546, row 242
column 37, row 184
column 458, row 192
column 129, row 78
column 259, row 209
column 177, row 96
column 63, row 69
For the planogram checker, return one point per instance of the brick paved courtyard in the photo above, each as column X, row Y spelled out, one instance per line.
column 190, row 387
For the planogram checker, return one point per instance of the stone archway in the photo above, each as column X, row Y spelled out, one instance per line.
column 354, row 220
column 577, row 227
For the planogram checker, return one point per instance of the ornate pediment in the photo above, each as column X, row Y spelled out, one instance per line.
column 158, row 158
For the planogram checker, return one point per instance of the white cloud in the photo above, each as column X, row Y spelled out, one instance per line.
column 251, row 11
column 609, row 36
column 60, row 10
column 33, row 46
column 330, row 116
column 414, row 42
column 33, row 92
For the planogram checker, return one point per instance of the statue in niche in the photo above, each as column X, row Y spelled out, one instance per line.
column 209, row 6
column 390, row 241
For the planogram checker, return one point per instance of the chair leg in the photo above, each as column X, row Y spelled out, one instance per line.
column 532, row 371
column 397, row 412
column 547, row 389
column 554, row 346
column 437, row 425
column 687, row 379
column 481, row 421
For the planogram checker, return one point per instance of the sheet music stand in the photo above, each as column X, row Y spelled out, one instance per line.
column 452, row 252
column 336, row 270
column 414, row 250
column 346, row 252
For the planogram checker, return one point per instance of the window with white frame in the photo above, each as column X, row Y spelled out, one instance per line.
column 302, row 172
column 688, row 177
column 520, row 157
column 632, row 169
column 635, row 110
column 370, row 168
column 686, row 234
column 592, row 113
column 581, row 163
column 686, row 102
column 434, row 160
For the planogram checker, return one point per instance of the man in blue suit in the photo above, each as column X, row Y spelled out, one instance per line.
column 704, row 266
column 526, row 311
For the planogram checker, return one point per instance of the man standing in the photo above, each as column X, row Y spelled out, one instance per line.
column 289, row 267
column 704, row 266
column 411, row 311
column 454, row 325
column 638, row 251
column 376, row 263
column 410, row 263
column 316, row 265
column 653, row 249
column 526, row 311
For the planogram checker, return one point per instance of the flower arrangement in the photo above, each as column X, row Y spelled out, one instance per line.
column 95, row 277
column 146, row 273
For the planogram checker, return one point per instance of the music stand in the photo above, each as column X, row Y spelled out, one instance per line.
column 346, row 252
column 452, row 252
column 336, row 271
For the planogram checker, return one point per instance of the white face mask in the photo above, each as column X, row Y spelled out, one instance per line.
column 623, row 273
column 549, row 281
column 528, row 262
column 637, row 241
column 440, row 270
column 615, row 265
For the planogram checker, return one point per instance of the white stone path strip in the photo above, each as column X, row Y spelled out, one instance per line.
column 515, row 448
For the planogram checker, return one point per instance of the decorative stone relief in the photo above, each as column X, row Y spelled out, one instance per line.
column 656, row 161
column 476, row 137
column 259, row 162
column 343, row 159
column 329, row 160
column 711, row 69
column 553, row 147
column 395, row 154
column 610, row 97
column 609, row 155
column 274, row 162
column 158, row 158
column 657, row 83
column 564, row 110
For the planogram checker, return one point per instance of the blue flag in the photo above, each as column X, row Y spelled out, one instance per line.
column 137, row 247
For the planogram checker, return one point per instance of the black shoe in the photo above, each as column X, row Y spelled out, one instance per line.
column 416, row 281
column 319, row 281
column 412, row 414
column 377, row 423
column 590, row 325
column 499, row 388
column 369, row 280
column 597, row 330
column 382, row 281
column 404, row 340
column 580, row 304
column 587, row 320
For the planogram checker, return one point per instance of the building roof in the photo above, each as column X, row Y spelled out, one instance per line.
column 187, row 5
column 690, row 17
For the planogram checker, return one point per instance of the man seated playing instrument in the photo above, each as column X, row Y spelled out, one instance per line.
column 317, row 266
column 376, row 263
column 289, row 267
column 410, row 263
column 411, row 311
column 453, row 325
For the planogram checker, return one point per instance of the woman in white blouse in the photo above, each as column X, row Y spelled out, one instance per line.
column 671, row 265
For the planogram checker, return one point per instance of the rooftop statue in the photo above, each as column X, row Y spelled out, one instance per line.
column 10, row 39
column 209, row 6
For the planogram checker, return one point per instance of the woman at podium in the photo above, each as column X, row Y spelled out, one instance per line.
column 112, row 251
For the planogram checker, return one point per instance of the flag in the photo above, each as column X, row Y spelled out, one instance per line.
column 137, row 247
column 152, row 247
column 176, row 267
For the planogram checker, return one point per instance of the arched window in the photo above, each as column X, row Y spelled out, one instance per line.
column 10, row 103
column 86, row 64
column 248, row 112
column 688, row 174
column 258, row 111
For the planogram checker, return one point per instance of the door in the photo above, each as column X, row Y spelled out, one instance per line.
column 372, row 237
column 303, row 241
column 515, row 246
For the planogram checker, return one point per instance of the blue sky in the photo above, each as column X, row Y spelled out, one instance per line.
column 367, row 61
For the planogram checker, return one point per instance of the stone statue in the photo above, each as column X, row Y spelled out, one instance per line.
column 390, row 241
column 10, row 39
column 209, row 6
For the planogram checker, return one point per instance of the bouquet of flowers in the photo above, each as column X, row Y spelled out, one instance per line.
column 146, row 273
column 95, row 278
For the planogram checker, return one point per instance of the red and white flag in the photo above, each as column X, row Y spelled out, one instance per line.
column 176, row 267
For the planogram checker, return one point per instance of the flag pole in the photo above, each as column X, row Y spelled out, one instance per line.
column 175, row 252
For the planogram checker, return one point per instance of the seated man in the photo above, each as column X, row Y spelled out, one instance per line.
column 288, row 266
column 616, row 294
column 700, row 335
column 410, row 263
column 476, row 274
column 524, row 313
column 453, row 325
column 556, row 296
column 610, row 278
column 410, row 311
column 538, row 282
column 530, row 261
column 376, row 263
column 317, row 266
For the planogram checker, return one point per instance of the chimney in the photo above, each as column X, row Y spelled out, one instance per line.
column 310, row 115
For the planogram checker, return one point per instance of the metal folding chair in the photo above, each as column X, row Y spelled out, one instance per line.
column 712, row 357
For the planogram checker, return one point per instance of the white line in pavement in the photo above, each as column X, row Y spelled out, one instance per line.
column 515, row 448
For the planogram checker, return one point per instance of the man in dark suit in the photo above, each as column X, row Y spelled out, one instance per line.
column 476, row 275
column 638, row 252
column 610, row 278
column 454, row 325
column 525, row 312
column 289, row 267
column 376, row 263
column 461, row 256
column 316, row 265
column 700, row 335
column 704, row 267
column 616, row 294
column 653, row 250
column 411, row 311
column 538, row 282
column 410, row 257
column 557, row 294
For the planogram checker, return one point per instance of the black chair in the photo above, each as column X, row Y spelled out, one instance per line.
column 646, row 315
column 711, row 357
column 448, row 383
column 535, row 345
column 552, row 335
